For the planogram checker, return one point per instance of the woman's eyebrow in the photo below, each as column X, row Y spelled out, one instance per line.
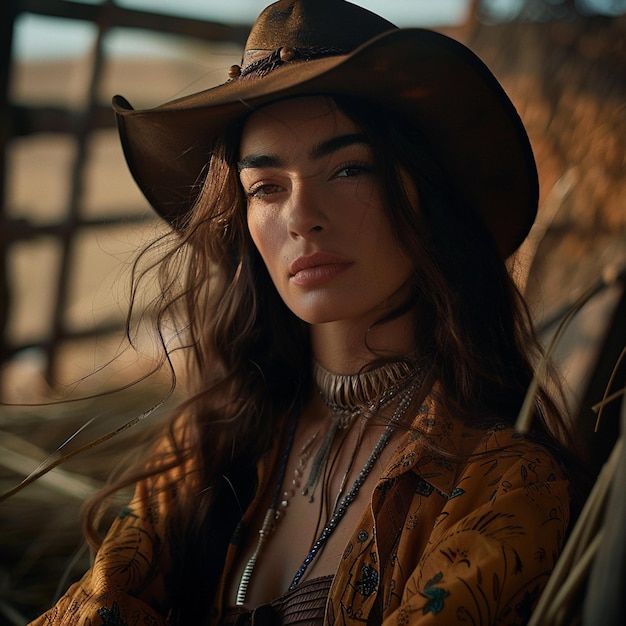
column 318, row 151
column 333, row 144
column 258, row 161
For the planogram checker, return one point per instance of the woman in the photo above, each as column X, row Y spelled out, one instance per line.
column 341, row 208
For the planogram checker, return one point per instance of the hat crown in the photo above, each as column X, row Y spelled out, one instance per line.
column 307, row 47
column 313, row 24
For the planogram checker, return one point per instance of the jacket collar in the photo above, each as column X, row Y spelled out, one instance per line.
column 433, row 445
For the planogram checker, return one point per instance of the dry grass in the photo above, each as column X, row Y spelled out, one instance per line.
column 41, row 548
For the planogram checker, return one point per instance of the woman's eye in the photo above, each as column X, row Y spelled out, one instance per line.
column 262, row 190
column 353, row 169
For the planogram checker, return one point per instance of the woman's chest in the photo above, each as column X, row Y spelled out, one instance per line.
column 338, row 529
column 295, row 528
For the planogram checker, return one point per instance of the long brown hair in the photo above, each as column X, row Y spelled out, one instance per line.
column 249, row 358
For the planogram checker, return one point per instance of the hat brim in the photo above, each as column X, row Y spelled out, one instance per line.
column 432, row 80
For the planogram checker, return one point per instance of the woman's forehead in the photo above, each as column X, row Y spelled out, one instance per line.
column 310, row 119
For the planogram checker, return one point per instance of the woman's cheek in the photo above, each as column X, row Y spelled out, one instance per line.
column 265, row 232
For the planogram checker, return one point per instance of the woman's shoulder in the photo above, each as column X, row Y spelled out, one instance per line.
column 474, row 432
column 453, row 444
column 490, row 445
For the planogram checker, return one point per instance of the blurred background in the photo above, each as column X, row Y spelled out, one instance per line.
column 71, row 221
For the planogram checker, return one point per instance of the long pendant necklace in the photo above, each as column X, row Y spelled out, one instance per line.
column 350, row 395
column 347, row 397
column 342, row 507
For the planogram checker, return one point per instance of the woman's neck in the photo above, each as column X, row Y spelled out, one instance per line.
column 345, row 347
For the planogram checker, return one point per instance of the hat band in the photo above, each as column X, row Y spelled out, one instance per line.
column 269, row 62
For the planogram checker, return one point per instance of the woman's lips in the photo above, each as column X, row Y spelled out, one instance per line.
column 317, row 268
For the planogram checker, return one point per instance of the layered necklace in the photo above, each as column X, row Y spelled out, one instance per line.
column 347, row 396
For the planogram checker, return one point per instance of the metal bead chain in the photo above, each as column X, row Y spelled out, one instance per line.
column 269, row 522
column 264, row 532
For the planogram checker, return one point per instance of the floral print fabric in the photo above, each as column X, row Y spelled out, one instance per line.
column 465, row 526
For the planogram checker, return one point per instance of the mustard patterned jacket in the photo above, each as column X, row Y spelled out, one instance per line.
column 442, row 542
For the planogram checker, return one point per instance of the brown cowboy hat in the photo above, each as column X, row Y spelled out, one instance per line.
column 299, row 47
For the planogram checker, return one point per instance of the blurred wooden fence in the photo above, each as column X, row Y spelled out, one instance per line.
column 79, row 123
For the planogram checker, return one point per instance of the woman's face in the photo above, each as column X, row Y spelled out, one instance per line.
column 316, row 212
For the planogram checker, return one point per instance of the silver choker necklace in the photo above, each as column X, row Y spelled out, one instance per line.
column 348, row 395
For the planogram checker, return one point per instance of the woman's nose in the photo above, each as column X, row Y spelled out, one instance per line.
column 307, row 214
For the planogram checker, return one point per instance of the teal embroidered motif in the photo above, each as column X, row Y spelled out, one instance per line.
column 112, row 616
column 368, row 583
column 435, row 595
